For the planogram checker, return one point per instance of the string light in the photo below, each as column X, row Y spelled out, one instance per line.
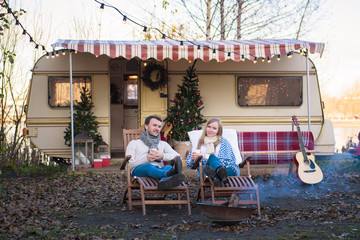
column 24, row 32
column 268, row 59
column 182, row 44
column 125, row 18
column 163, row 36
column 63, row 52
column 278, row 57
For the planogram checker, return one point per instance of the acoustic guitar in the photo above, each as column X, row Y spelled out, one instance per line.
column 307, row 170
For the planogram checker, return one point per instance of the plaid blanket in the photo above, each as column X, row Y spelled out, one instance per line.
column 273, row 141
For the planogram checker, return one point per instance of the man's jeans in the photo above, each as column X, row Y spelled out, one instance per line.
column 150, row 170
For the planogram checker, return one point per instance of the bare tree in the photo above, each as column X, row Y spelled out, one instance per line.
column 251, row 18
column 17, row 55
column 208, row 19
column 12, row 99
column 238, row 28
column 222, row 19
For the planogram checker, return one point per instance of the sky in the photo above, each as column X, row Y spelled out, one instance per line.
column 338, row 68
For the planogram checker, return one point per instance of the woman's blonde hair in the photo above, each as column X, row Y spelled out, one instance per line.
column 219, row 133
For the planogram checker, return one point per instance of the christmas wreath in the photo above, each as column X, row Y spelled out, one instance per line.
column 161, row 76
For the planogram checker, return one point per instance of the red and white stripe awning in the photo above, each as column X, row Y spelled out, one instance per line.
column 220, row 50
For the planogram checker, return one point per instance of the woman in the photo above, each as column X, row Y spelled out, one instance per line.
column 215, row 152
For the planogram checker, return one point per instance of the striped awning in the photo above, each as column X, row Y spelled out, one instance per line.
column 220, row 50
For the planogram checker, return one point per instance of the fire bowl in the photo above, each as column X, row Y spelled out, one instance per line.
column 221, row 213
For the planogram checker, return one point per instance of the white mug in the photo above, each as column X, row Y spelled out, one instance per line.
column 197, row 151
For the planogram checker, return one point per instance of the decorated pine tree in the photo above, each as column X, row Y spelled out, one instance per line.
column 84, row 119
column 185, row 111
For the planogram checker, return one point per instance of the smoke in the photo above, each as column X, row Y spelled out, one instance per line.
column 339, row 176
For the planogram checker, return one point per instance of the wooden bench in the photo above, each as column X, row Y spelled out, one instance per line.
column 273, row 147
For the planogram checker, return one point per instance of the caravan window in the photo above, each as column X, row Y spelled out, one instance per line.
column 59, row 89
column 269, row 91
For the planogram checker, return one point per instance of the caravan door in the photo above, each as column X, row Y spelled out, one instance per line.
column 124, row 100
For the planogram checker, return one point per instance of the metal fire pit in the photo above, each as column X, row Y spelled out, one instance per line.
column 221, row 213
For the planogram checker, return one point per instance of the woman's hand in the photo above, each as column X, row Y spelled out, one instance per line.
column 195, row 155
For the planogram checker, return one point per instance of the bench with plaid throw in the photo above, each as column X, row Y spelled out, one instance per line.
column 272, row 142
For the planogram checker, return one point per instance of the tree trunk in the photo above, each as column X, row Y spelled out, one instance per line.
column 208, row 19
column 238, row 30
column 301, row 21
column 222, row 31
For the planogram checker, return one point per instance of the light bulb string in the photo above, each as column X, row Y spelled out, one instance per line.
column 37, row 45
column 17, row 22
column 181, row 42
column 155, row 28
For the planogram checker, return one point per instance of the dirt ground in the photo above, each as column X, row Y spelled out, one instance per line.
column 89, row 207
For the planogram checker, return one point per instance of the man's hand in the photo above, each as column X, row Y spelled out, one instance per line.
column 154, row 155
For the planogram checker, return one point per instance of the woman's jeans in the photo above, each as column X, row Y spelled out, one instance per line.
column 214, row 163
column 150, row 170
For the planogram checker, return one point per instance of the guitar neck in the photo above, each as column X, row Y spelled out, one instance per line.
column 301, row 143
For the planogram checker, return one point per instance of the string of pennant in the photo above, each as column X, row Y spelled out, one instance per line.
column 145, row 29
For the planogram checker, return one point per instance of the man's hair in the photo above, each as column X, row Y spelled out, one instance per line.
column 148, row 119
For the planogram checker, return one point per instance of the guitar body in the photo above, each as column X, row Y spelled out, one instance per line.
column 307, row 170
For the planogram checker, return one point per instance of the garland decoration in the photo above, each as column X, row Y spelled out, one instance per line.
column 161, row 76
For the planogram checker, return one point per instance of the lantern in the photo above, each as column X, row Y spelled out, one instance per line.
column 84, row 149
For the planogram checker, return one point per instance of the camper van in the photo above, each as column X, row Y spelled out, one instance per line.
column 250, row 85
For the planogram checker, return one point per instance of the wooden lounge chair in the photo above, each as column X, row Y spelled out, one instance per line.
column 147, row 186
column 243, row 186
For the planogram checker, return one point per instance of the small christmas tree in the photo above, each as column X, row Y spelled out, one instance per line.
column 184, row 113
column 84, row 119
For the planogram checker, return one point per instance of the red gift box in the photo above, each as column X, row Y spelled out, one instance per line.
column 98, row 163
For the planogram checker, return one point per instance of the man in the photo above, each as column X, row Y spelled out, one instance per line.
column 148, row 154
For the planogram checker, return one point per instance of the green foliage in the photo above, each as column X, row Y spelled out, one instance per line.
column 27, row 170
column 40, row 170
column 185, row 111
column 84, row 119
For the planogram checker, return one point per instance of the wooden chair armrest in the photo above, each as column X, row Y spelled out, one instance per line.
column 126, row 160
column 242, row 164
